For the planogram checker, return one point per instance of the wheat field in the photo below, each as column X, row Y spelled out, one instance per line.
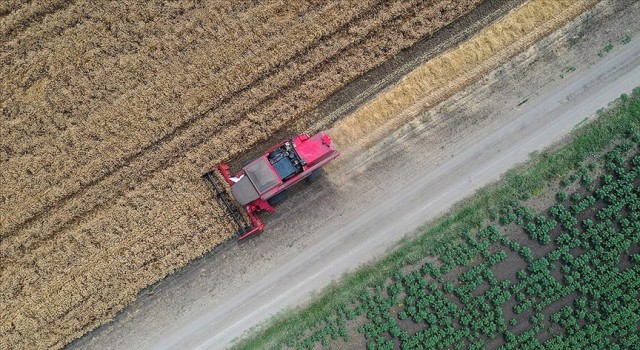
column 111, row 111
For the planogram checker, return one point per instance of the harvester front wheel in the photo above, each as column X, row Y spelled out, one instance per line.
column 277, row 198
column 315, row 175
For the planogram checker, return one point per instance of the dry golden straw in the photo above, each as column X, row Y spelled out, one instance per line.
column 440, row 77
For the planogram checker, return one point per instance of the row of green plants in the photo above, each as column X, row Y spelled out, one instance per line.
column 436, row 306
column 586, row 280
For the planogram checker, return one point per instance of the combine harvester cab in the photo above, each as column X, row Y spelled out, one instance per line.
column 266, row 177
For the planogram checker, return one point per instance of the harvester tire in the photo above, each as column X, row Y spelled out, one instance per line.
column 315, row 175
column 277, row 198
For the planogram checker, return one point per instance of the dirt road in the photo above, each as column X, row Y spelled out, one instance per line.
column 363, row 208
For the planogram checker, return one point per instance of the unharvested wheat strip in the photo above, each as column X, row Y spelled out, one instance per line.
column 440, row 77
column 167, row 113
column 86, row 27
column 74, row 55
column 9, row 6
column 205, row 36
column 192, row 204
column 91, row 238
column 236, row 46
column 81, row 81
column 266, row 131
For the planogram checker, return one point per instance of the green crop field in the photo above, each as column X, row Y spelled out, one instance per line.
column 548, row 258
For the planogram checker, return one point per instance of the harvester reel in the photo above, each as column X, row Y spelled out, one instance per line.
column 221, row 195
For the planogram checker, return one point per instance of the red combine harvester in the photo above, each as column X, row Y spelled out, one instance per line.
column 263, row 181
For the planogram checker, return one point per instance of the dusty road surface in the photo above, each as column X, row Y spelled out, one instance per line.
column 365, row 205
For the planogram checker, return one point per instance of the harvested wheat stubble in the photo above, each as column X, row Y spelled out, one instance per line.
column 145, row 212
column 439, row 78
